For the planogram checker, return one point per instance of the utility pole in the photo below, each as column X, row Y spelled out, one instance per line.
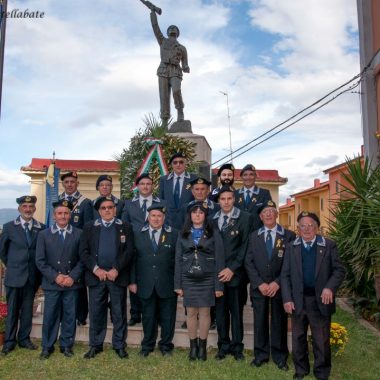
column 229, row 123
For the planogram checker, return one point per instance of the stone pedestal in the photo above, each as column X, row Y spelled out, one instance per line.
column 202, row 149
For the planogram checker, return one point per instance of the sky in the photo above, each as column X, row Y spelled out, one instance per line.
column 80, row 81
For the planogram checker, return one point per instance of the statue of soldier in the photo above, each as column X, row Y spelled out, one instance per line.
column 173, row 62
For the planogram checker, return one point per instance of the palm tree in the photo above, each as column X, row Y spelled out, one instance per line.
column 356, row 227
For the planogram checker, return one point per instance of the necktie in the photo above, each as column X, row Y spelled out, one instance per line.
column 154, row 243
column 247, row 198
column 70, row 198
column 269, row 244
column 107, row 224
column 224, row 225
column 176, row 193
column 308, row 245
column 62, row 235
column 143, row 207
column 28, row 233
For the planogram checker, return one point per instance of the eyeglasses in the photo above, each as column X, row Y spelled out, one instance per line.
column 270, row 211
column 107, row 207
column 306, row 226
column 179, row 162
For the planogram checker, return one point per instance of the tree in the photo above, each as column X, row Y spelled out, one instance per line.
column 356, row 227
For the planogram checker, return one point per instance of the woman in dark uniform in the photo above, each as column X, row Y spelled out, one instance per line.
column 199, row 259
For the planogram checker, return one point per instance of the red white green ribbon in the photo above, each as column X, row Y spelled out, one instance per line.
column 155, row 152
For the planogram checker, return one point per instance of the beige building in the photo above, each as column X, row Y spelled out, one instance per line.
column 88, row 171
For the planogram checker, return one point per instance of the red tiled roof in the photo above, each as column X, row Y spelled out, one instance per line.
column 262, row 175
column 40, row 164
column 311, row 189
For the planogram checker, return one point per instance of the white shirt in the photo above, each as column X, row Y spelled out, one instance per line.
column 181, row 180
column 156, row 235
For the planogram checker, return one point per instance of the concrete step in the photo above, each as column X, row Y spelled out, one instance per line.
column 135, row 333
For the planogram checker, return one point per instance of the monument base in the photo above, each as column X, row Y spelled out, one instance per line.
column 183, row 126
column 202, row 150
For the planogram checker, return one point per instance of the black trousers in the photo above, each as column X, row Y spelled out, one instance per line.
column 82, row 305
column 156, row 309
column 228, row 313
column 98, row 302
column 320, row 331
column 20, row 314
column 274, row 340
column 135, row 306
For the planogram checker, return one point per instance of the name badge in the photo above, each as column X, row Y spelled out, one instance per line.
column 122, row 238
column 76, row 219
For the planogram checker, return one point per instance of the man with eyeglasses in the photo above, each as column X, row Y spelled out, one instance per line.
column 175, row 189
column 263, row 263
column 311, row 275
column 104, row 186
column 22, row 278
column 107, row 250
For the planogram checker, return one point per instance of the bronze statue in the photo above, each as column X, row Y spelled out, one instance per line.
column 173, row 62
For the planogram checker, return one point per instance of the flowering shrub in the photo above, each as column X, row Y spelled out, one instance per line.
column 3, row 315
column 338, row 338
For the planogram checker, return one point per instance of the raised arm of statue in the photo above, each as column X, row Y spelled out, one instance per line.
column 156, row 29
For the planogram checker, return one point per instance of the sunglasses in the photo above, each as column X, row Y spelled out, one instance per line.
column 107, row 207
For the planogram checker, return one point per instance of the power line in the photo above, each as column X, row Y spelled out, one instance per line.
column 360, row 75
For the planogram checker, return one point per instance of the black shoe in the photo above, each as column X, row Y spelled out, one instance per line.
column 81, row 323
column 213, row 325
column 67, row 351
column 220, row 355
column 144, row 353
column 202, row 353
column 239, row 356
column 121, row 353
column 133, row 322
column 45, row 354
column 6, row 350
column 283, row 366
column 92, row 352
column 184, row 325
column 28, row 345
column 296, row 376
column 258, row 363
column 167, row 353
column 194, row 349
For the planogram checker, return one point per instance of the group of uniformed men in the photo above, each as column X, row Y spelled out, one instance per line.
column 119, row 245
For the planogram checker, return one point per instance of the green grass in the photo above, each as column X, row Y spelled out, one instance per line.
column 361, row 360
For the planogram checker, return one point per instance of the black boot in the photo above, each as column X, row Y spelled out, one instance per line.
column 193, row 353
column 202, row 354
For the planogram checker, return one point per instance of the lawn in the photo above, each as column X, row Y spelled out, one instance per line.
column 361, row 360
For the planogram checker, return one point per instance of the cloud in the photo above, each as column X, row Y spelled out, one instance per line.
column 328, row 160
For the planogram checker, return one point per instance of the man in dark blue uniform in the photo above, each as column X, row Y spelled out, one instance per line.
column 104, row 186
column 57, row 257
column 81, row 213
column 250, row 197
column 22, row 278
column 175, row 188
column 311, row 275
column 263, row 263
column 135, row 212
column 200, row 188
column 153, row 280
column 233, row 226
column 107, row 250
column 226, row 177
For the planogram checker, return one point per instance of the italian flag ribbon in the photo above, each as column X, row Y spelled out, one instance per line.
column 155, row 152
